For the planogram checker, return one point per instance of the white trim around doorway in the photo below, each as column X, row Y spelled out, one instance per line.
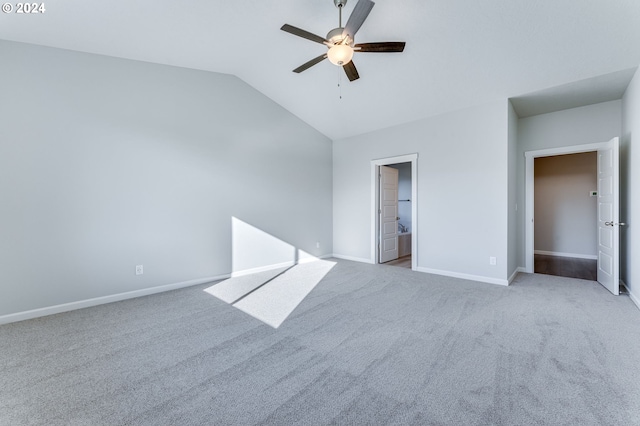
column 375, row 204
column 530, row 156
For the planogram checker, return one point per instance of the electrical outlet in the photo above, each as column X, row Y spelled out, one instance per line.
column 492, row 261
column 318, row 244
column 139, row 270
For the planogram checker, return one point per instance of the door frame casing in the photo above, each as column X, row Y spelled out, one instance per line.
column 375, row 204
column 530, row 156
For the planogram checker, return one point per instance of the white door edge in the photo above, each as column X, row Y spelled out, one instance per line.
column 388, row 214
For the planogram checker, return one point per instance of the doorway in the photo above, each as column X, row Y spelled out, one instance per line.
column 408, row 238
column 565, row 208
column 608, row 238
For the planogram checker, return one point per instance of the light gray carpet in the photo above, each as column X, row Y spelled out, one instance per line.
column 369, row 345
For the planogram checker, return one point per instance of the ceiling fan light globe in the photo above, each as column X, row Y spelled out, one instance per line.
column 340, row 54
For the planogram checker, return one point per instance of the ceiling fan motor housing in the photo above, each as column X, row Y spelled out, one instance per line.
column 340, row 3
column 335, row 36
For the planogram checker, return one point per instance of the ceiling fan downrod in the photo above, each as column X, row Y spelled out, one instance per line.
column 340, row 4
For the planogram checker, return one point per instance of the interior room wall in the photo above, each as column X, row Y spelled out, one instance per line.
column 108, row 163
column 564, row 209
column 576, row 126
column 404, row 193
column 462, row 188
column 630, row 188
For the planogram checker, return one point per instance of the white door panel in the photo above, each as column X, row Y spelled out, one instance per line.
column 608, row 220
column 389, row 245
column 388, row 229
column 388, row 214
column 605, row 238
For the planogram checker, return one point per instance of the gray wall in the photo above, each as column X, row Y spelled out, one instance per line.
column 462, row 189
column 576, row 126
column 630, row 188
column 565, row 212
column 108, row 163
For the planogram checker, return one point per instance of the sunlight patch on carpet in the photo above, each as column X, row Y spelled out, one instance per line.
column 272, row 296
column 268, row 293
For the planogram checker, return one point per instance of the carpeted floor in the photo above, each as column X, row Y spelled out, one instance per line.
column 370, row 344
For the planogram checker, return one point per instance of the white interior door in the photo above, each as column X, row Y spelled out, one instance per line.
column 388, row 214
column 608, row 217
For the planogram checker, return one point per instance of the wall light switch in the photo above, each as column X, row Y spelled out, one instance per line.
column 139, row 270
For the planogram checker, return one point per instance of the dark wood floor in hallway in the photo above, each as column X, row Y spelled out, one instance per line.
column 571, row 267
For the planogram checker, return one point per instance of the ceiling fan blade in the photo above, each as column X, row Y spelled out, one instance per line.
column 304, row 34
column 351, row 71
column 359, row 14
column 311, row 63
column 388, row 46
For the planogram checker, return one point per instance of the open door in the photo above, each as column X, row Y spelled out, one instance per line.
column 608, row 217
column 388, row 214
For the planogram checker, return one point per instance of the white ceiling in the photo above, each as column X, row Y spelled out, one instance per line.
column 459, row 53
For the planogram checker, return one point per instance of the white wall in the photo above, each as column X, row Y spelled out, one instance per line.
column 108, row 163
column 462, row 188
column 565, row 211
column 630, row 188
column 576, row 126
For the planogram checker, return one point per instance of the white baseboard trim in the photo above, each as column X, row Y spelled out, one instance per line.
column 354, row 259
column 72, row 306
column 574, row 255
column 287, row 264
column 315, row 258
column 516, row 272
column 635, row 299
column 435, row 271
column 479, row 278
column 262, row 269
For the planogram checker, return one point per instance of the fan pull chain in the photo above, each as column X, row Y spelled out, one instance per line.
column 340, row 83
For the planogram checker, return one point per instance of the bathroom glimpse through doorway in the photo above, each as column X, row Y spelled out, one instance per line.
column 394, row 211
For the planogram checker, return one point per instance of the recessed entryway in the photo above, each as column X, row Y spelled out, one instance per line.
column 565, row 211
column 608, row 220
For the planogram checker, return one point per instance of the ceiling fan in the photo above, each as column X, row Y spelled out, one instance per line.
column 340, row 41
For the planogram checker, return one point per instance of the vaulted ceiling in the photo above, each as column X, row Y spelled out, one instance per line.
column 459, row 53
